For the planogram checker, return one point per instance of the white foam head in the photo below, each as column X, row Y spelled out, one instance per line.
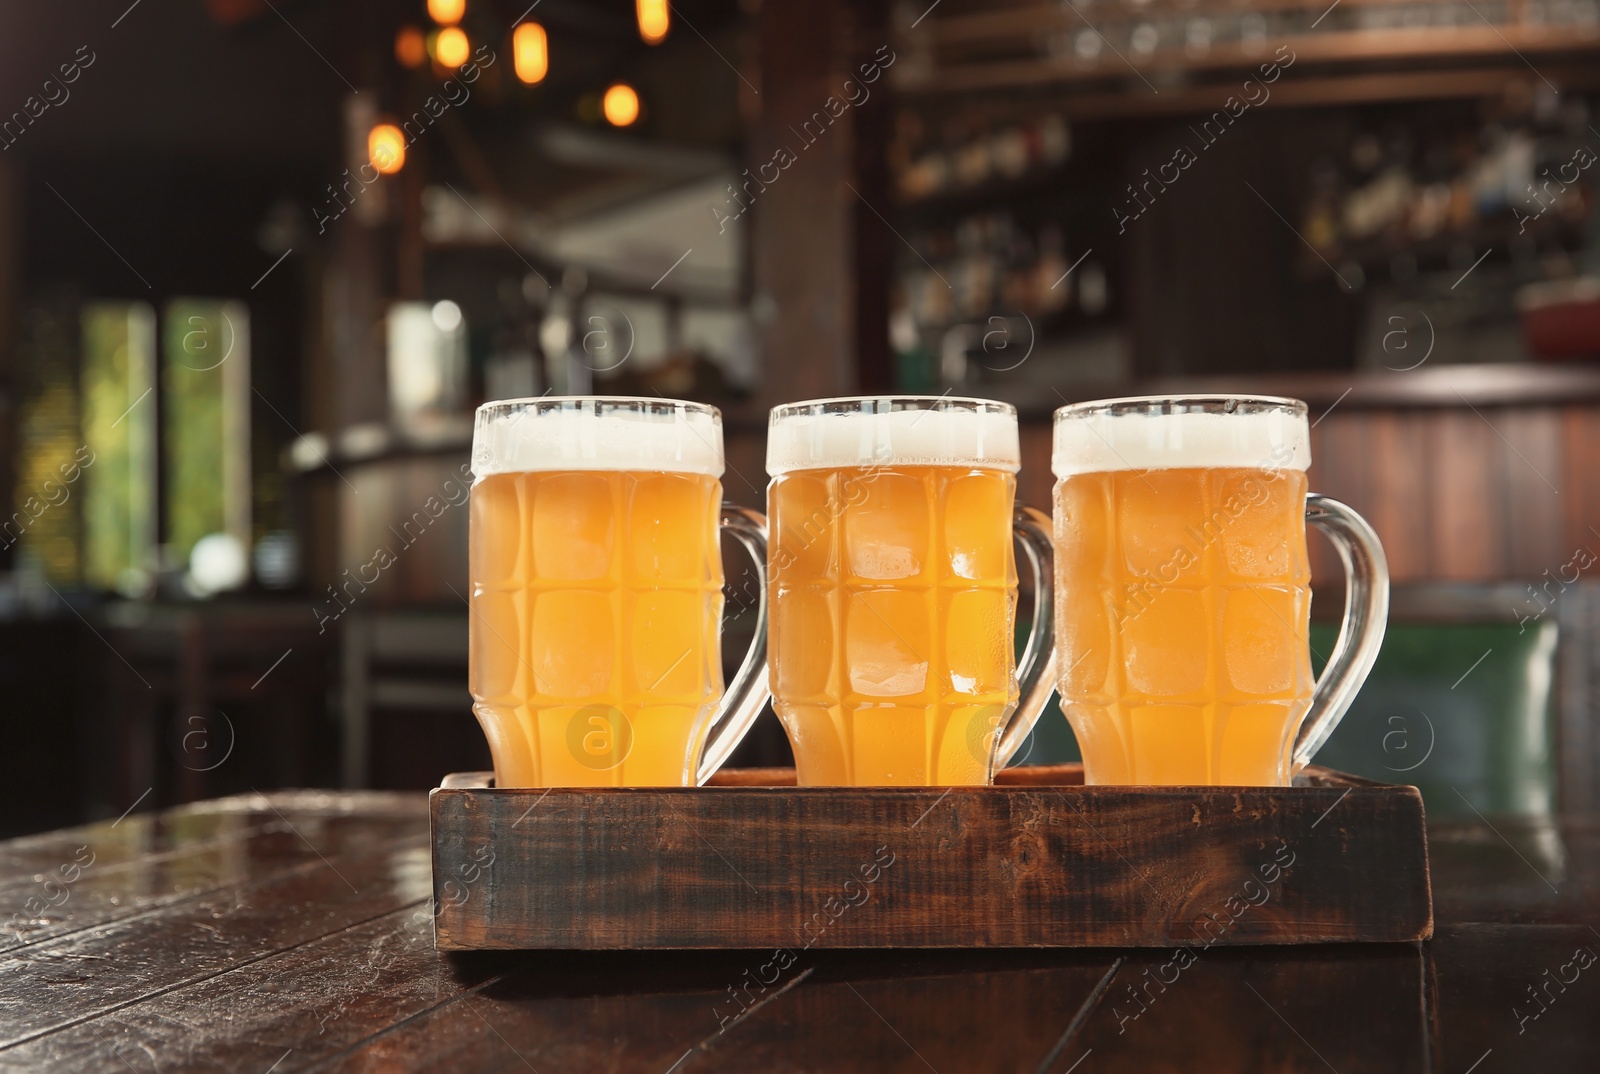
column 829, row 433
column 596, row 433
column 1167, row 434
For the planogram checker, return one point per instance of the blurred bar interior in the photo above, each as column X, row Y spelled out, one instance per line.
column 260, row 261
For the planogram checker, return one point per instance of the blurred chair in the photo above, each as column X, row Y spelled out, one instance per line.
column 206, row 699
column 407, row 715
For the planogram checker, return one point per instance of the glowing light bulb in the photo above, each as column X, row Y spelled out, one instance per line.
column 386, row 148
column 653, row 20
column 410, row 47
column 218, row 563
column 447, row 12
column 446, row 316
column 452, row 48
column 620, row 105
column 530, row 52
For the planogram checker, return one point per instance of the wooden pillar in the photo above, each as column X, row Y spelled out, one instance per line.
column 821, row 252
column 10, row 372
column 876, row 244
column 355, row 299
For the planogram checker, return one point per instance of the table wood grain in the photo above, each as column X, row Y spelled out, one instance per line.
column 293, row 932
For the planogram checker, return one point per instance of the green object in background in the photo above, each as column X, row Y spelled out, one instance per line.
column 119, row 430
column 206, row 422
column 1052, row 740
column 1461, row 710
column 916, row 370
column 1469, row 734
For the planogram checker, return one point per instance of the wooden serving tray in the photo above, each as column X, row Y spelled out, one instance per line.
column 1039, row 860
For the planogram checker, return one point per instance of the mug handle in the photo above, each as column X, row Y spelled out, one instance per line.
column 747, row 694
column 1366, row 616
column 1036, row 677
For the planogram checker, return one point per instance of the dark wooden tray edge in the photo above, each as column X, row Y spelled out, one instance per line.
column 1412, row 922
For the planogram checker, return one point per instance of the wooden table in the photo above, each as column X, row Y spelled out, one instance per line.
column 292, row 932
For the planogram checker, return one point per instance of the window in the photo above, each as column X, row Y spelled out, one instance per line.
column 119, row 429
column 205, row 423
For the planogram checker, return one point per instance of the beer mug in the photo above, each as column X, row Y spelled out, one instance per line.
column 1183, row 592
column 596, row 578
column 894, row 590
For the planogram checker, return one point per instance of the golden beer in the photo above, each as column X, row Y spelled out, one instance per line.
column 893, row 589
column 1183, row 589
column 596, row 598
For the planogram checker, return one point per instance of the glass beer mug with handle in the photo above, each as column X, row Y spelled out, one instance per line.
column 1183, row 592
column 596, row 578
column 894, row 590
